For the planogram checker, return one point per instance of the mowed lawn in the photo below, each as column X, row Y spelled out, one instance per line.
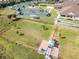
column 28, row 32
column 15, row 51
column 69, row 43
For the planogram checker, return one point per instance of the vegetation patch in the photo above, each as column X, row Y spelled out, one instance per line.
column 69, row 45
column 29, row 33
column 6, row 11
column 18, row 52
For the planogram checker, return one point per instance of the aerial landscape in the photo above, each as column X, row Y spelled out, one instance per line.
column 39, row 29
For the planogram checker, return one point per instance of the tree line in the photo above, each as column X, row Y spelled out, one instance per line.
column 3, row 3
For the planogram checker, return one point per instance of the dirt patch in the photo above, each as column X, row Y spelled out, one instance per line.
column 34, row 34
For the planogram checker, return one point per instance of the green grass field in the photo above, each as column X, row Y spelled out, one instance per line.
column 33, row 33
column 6, row 11
column 18, row 52
column 26, row 32
column 69, row 45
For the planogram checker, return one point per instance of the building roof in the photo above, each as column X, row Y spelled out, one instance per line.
column 70, row 6
column 49, row 52
column 43, row 46
column 55, row 52
column 51, row 43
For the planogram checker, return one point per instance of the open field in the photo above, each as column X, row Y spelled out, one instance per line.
column 18, row 52
column 69, row 45
column 26, row 33
column 33, row 33
column 7, row 11
column 5, row 23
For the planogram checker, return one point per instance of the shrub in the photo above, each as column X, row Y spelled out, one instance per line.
column 21, row 34
column 9, row 23
column 9, row 16
column 16, row 19
column 44, row 27
column 63, row 37
column 14, row 15
column 18, row 28
column 17, row 32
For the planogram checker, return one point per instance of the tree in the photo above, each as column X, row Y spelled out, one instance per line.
column 44, row 27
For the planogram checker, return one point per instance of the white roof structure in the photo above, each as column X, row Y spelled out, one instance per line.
column 51, row 43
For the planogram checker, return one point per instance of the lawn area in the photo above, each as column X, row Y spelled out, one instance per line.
column 69, row 44
column 28, row 32
column 18, row 52
column 6, row 11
